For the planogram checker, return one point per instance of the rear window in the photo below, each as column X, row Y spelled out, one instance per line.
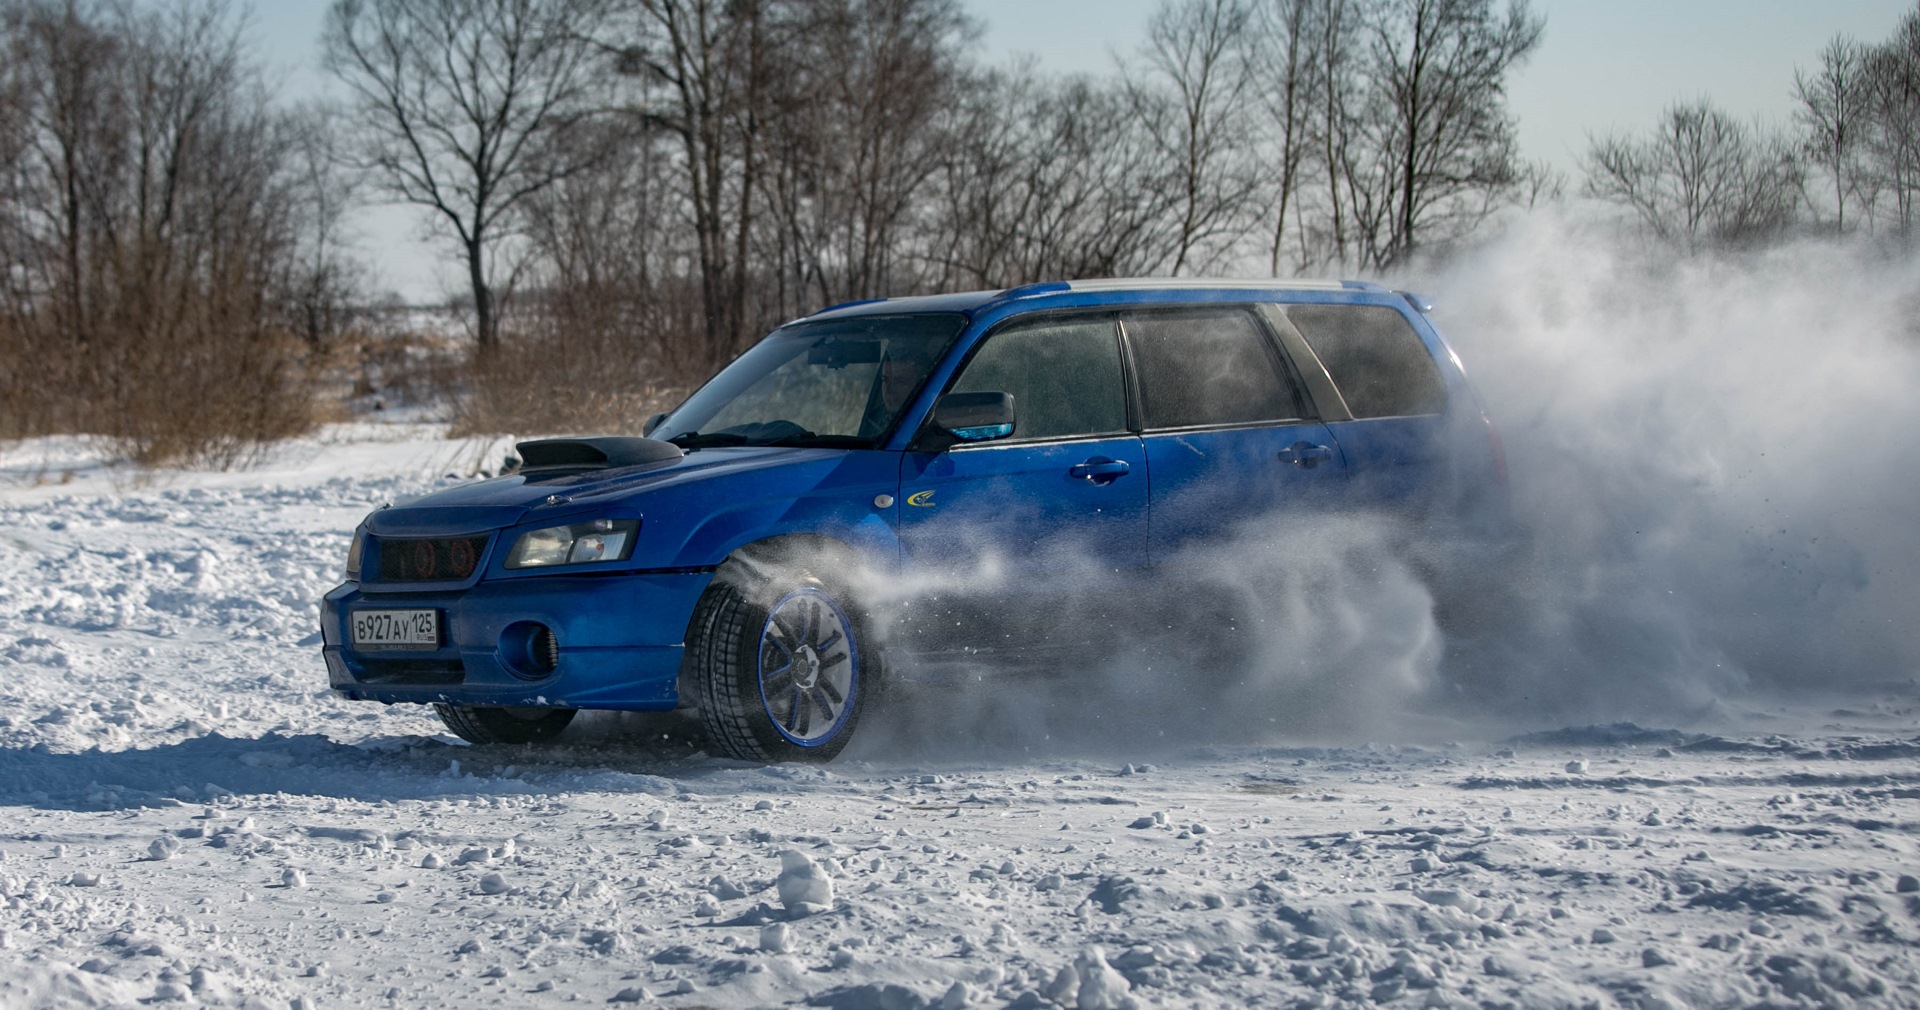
column 1207, row 367
column 1374, row 357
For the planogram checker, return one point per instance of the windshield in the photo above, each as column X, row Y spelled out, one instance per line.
column 840, row 382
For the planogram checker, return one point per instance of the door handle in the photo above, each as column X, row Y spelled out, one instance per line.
column 1100, row 470
column 1306, row 455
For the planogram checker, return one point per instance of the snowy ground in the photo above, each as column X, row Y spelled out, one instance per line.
column 191, row 816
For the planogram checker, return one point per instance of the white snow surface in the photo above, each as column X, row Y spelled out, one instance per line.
column 193, row 818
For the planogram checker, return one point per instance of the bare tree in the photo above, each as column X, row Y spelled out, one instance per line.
column 1056, row 180
column 460, row 102
column 1192, row 99
column 325, row 284
column 62, row 78
column 1441, row 146
column 702, row 70
column 149, row 224
column 1834, row 111
column 612, row 266
column 1701, row 178
column 1336, row 79
column 1283, row 59
column 855, row 134
column 1893, row 100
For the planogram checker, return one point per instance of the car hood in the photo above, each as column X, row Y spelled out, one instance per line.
column 505, row 501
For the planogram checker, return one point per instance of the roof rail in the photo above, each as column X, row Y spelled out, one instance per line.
column 1030, row 290
column 848, row 305
column 1353, row 285
column 1111, row 283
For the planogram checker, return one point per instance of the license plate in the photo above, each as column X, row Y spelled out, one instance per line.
column 396, row 629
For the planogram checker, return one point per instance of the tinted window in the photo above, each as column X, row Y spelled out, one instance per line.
column 1064, row 375
column 1374, row 357
column 1209, row 367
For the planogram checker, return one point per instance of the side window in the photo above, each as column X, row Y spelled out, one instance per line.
column 1208, row 367
column 1374, row 357
column 1064, row 375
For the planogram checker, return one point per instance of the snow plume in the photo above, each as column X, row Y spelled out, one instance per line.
column 1716, row 462
column 1298, row 630
column 1718, row 458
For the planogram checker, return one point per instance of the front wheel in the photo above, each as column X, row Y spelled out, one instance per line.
column 482, row 725
column 777, row 665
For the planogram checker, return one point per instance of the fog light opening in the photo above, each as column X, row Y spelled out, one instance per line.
column 529, row 650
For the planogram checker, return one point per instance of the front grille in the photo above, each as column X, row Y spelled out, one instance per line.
column 411, row 671
column 448, row 560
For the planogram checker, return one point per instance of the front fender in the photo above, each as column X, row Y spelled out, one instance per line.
column 699, row 525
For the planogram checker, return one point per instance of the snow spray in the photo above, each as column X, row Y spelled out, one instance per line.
column 1715, row 462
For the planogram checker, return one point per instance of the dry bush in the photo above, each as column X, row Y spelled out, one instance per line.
column 395, row 357
column 404, row 370
column 203, row 396
column 581, row 365
column 508, row 397
column 214, row 405
column 149, row 231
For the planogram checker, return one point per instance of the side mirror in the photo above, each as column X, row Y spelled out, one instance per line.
column 975, row 417
column 653, row 422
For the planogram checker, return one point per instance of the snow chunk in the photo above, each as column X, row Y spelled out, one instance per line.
column 1101, row 987
column 803, row 886
column 776, row 938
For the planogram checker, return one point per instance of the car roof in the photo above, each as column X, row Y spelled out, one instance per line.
column 970, row 302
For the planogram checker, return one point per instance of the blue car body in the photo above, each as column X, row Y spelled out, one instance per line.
column 614, row 634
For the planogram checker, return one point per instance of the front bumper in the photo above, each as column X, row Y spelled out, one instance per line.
column 620, row 641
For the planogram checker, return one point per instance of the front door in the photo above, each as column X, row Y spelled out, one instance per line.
column 1013, row 543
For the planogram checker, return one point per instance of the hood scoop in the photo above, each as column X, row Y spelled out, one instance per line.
column 605, row 452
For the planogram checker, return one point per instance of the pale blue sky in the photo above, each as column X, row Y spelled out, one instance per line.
column 1604, row 65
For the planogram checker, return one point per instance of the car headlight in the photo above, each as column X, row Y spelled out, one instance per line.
column 577, row 544
column 354, row 552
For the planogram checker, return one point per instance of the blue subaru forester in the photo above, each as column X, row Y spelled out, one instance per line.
column 817, row 516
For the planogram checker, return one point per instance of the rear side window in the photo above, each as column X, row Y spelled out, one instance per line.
column 1374, row 357
column 1208, row 367
column 1064, row 375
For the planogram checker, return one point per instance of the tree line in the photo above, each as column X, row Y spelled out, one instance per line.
column 1849, row 162
column 634, row 190
column 164, row 232
column 656, row 182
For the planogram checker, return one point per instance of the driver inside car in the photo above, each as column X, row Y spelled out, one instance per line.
column 899, row 375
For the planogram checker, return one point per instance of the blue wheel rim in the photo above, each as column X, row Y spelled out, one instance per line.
column 807, row 667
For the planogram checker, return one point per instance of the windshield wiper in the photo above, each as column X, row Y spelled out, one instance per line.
column 812, row 440
column 698, row 440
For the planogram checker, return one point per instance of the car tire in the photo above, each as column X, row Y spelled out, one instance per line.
column 780, row 665
column 487, row 725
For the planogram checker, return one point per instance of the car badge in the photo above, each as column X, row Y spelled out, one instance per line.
column 921, row 499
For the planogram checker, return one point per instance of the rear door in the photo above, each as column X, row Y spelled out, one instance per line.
column 1231, row 446
column 1000, row 533
column 1395, row 432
